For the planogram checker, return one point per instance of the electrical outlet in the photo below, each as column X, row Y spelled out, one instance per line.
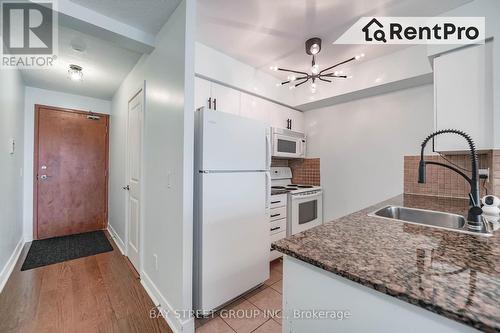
column 155, row 256
column 484, row 174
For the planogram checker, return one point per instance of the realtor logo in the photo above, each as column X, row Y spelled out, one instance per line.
column 28, row 32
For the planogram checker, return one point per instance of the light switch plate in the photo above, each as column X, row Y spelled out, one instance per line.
column 12, row 146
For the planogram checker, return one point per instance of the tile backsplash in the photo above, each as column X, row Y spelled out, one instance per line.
column 304, row 171
column 446, row 183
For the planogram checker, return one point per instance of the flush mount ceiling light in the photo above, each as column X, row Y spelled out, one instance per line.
column 297, row 78
column 75, row 73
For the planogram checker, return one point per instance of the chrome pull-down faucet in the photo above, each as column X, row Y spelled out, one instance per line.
column 475, row 220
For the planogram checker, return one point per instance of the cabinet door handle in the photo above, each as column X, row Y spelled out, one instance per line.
column 210, row 103
column 290, row 124
column 275, row 228
column 215, row 104
column 274, row 215
column 275, row 202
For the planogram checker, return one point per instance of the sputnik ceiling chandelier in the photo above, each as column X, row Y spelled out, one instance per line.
column 298, row 78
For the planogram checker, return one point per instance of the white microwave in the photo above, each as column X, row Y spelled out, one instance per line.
column 288, row 144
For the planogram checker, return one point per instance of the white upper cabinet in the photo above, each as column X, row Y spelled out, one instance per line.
column 225, row 99
column 217, row 97
column 297, row 118
column 201, row 92
column 463, row 97
column 281, row 116
column 255, row 108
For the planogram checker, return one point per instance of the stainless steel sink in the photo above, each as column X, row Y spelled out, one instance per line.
column 430, row 218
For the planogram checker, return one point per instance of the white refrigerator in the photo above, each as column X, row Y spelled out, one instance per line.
column 232, row 195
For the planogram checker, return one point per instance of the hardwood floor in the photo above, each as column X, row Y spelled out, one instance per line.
column 100, row 293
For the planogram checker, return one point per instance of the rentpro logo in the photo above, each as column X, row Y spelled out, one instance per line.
column 415, row 30
column 374, row 31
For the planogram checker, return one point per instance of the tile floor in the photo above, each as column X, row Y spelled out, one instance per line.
column 253, row 312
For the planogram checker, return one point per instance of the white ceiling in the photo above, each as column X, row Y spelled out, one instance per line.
column 105, row 65
column 146, row 15
column 263, row 33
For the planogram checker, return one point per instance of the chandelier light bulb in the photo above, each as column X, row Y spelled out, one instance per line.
column 315, row 48
column 315, row 69
column 359, row 56
column 349, row 77
column 274, row 68
column 313, row 88
column 292, row 78
column 291, row 87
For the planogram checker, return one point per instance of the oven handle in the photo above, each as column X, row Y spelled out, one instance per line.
column 298, row 197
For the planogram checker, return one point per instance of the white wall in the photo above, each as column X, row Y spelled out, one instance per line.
column 11, row 166
column 362, row 143
column 35, row 96
column 220, row 67
column 167, row 166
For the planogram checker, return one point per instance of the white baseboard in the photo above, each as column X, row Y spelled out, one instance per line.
column 11, row 263
column 118, row 241
column 176, row 324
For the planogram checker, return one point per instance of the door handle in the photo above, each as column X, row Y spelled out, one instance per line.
column 43, row 177
column 210, row 103
column 215, row 104
column 127, row 188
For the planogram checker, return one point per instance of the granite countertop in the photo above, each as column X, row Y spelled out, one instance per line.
column 453, row 274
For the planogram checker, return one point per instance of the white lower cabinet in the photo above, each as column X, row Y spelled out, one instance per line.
column 273, row 255
column 278, row 221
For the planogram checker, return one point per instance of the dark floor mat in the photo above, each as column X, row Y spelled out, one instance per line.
column 54, row 250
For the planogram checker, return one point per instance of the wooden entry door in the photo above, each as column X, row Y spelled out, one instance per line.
column 71, row 172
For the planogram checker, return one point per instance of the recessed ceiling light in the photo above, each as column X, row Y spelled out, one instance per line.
column 75, row 73
column 78, row 44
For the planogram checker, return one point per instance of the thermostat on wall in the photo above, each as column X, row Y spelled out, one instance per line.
column 12, row 146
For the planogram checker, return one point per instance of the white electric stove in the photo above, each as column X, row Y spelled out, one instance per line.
column 305, row 202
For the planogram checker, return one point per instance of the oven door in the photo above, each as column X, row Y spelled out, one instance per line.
column 287, row 146
column 306, row 211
